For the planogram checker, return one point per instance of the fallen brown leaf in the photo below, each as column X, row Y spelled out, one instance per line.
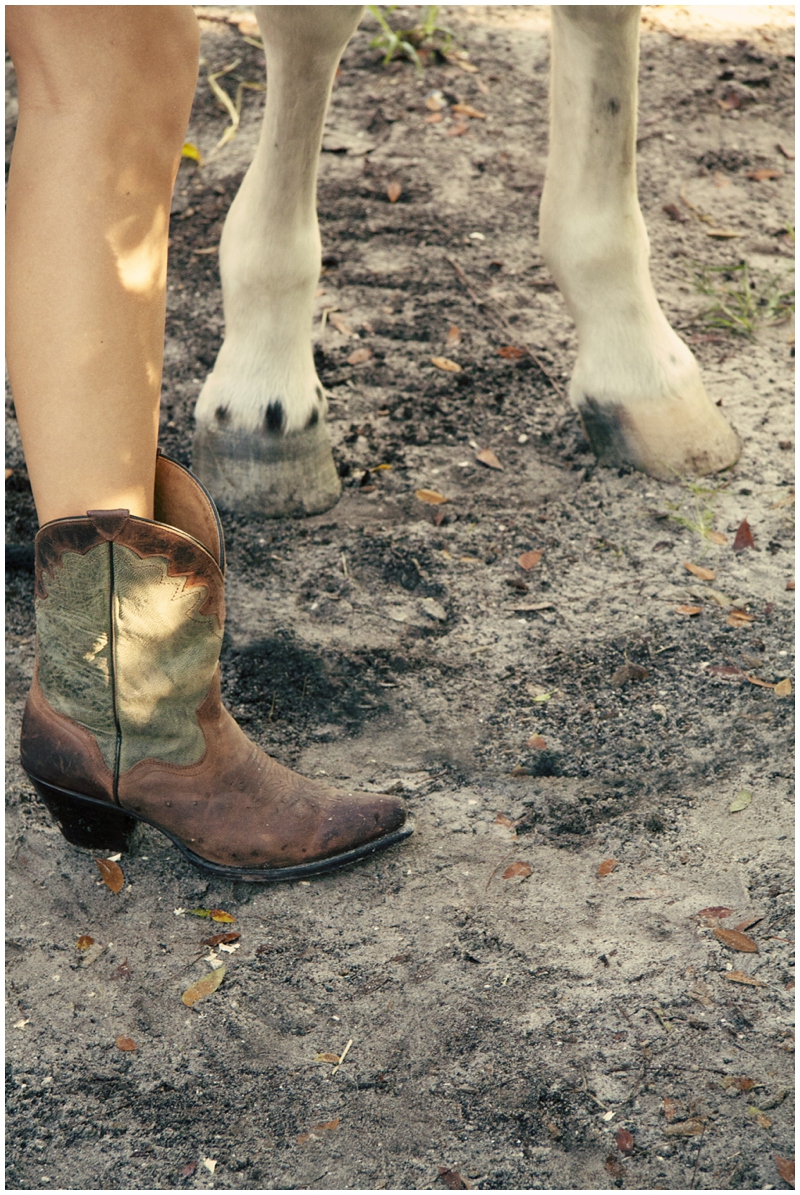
column 359, row 356
column 717, row 537
column 453, row 1180
column 704, row 574
column 340, row 324
column 126, row 1043
column 204, row 987
column 606, row 867
column 715, row 911
column 221, row 915
column 748, row 921
column 744, row 537
column 457, row 130
column 517, row 869
column 519, row 770
column 503, row 820
column 84, row 942
column 454, row 335
column 685, row 1128
column 740, row 1082
column 435, row 102
column 790, row 586
column 111, row 873
column 624, row 1141
column 763, row 174
column 785, row 1166
column 735, row 940
column 723, row 234
column 217, row 939
column 468, row 110
column 537, row 742
column 329, row 1125
column 689, row 611
column 446, row 364
column 529, row 560
column 674, row 212
column 783, row 688
column 740, row 618
column 628, row 672
column 670, row 1108
column 432, row 497
column 433, row 118
column 487, row 457
column 332, row 1058
column 393, row 192
column 188, row 1170
column 762, row 1120
column 614, row 1167
column 742, row 977
column 756, row 680
column 512, row 353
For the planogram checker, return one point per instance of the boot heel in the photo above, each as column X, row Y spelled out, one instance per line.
column 86, row 822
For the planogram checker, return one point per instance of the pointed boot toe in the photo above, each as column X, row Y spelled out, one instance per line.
column 124, row 721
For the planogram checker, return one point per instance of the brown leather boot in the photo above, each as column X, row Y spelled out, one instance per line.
column 124, row 720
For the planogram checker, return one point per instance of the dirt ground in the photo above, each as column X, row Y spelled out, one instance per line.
column 506, row 1033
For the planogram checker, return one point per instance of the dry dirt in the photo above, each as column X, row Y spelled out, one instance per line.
column 503, row 1030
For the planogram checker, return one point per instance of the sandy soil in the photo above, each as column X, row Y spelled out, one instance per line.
column 504, row 1031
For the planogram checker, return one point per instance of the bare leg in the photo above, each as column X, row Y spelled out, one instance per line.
column 105, row 94
column 636, row 384
column 261, row 444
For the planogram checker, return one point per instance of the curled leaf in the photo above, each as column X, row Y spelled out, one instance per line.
column 517, row 869
column 743, row 977
column 111, row 873
column 432, row 497
column 204, row 987
column 697, row 570
column 740, row 801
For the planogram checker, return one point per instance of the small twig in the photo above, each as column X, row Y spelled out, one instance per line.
column 511, row 332
column 342, row 1056
column 697, row 1159
column 499, row 865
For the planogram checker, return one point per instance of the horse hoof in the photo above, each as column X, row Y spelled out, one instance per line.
column 267, row 475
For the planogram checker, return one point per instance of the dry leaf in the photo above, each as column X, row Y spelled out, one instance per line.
column 717, row 537
column 512, row 353
column 217, row 939
column 432, row 497
column 744, row 537
column 704, row 574
column 783, row 688
column 740, row 801
column 715, row 911
column 502, row 820
column 743, row 977
column 111, row 873
column 739, row 618
column 453, row 1180
column 221, row 915
column 735, row 940
column 529, row 560
column 790, row 586
column 458, row 130
column 188, row 1170
column 723, row 234
column 689, row 611
column 537, row 742
column 761, row 1118
column 191, row 151
column 434, row 102
column 517, row 869
column 330, row 1125
column 454, row 335
column 519, row 770
column 84, row 942
column 756, row 680
column 785, row 1166
column 487, row 457
column 748, row 921
column 359, row 356
column 468, row 110
column 125, row 1043
column 433, row 118
column 393, row 192
column 340, row 324
column 628, row 672
column 334, row 1059
column 624, row 1141
column 686, row 1128
column 740, row 1082
column 446, row 364
column 606, row 867
column 204, row 987
column 670, row 1108
column 763, row 174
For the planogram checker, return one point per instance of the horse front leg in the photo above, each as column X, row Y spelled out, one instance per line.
column 636, row 385
column 261, row 445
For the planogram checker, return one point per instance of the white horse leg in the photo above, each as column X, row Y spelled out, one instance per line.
column 636, row 385
column 261, row 445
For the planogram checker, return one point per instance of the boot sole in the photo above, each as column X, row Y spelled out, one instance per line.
column 95, row 825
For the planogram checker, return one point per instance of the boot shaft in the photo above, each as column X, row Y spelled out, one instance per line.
column 130, row 616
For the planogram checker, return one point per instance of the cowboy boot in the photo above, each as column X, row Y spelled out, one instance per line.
column 124, row 721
